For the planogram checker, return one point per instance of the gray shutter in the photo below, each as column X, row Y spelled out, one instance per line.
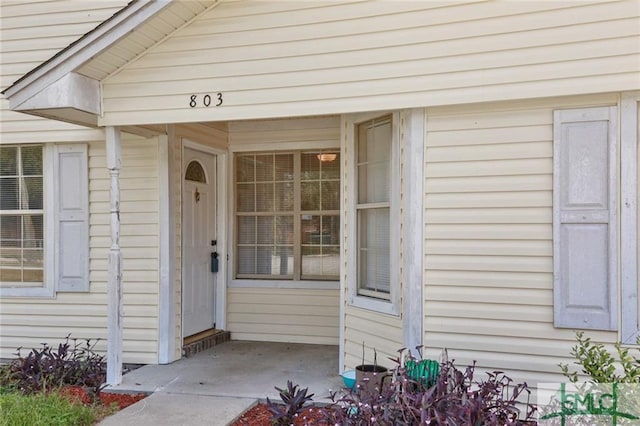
column 584, row 228
column 72, row 218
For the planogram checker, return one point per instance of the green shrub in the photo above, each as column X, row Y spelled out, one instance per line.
column 43, row 410
column 602, row 366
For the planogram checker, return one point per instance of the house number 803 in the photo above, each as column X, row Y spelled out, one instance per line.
column 206, row 100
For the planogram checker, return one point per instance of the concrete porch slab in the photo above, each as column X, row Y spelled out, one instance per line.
column 231, row 377
column 180, row 409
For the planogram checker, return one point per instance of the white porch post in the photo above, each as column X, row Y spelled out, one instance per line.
column 167, row 312
column 114, row 286
column 413, row 142
column 629, row 274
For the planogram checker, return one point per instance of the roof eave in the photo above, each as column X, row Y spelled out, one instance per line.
column 76, row 54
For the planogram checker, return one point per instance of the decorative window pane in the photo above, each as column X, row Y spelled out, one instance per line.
column 280, row 231
column 31, row 157
column 330, row 195
column 9, row 188
column 195, row 172
column 373, row 252
column 373, row 164
column 320, row 245
column 310, row 192
column 374, row 153
column 8, row 161
column 21, row 216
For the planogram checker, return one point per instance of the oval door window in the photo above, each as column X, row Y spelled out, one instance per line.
column 195, row 172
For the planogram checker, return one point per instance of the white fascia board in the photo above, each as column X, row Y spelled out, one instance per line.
column 69, row 115
column 71, row 91
column 83, row 50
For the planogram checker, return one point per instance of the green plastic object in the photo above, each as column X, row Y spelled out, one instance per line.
column 424, row 371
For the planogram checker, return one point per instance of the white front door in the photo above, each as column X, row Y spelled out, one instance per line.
column 198, row 241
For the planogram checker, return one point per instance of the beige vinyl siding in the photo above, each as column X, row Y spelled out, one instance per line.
column 283, row 315
column 291, row 59
column 257, row 134
column 379, row 332
column 29, row 321
column 263, row 312
column 30, row 33
column 215, row 135
column 488, row 237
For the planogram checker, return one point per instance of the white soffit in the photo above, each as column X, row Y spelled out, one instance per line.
column 97, row 54
column 175, row 15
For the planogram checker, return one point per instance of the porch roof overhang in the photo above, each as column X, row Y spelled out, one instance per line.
column 66, row 87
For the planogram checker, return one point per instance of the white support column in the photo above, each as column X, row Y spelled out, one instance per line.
column 114, row 289
column 629, row 274
column 413, row 141
column 167, row 313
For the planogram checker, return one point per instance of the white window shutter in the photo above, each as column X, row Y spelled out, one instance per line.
column 71, row 260
column 584, row 228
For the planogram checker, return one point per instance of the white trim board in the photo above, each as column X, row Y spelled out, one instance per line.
column 288, row 284
column 166, row 276
column 413, row 147
column 629, row 321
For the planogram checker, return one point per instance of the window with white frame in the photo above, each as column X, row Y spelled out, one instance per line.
column 44, row 219
column 21, row 216
column 373, row 165
column 373, row 186
column 287, row 208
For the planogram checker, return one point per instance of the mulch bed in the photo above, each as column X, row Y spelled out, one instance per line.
column 260, row 415
column 122, row 400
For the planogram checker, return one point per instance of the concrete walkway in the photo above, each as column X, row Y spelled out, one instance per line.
column 215, row 386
